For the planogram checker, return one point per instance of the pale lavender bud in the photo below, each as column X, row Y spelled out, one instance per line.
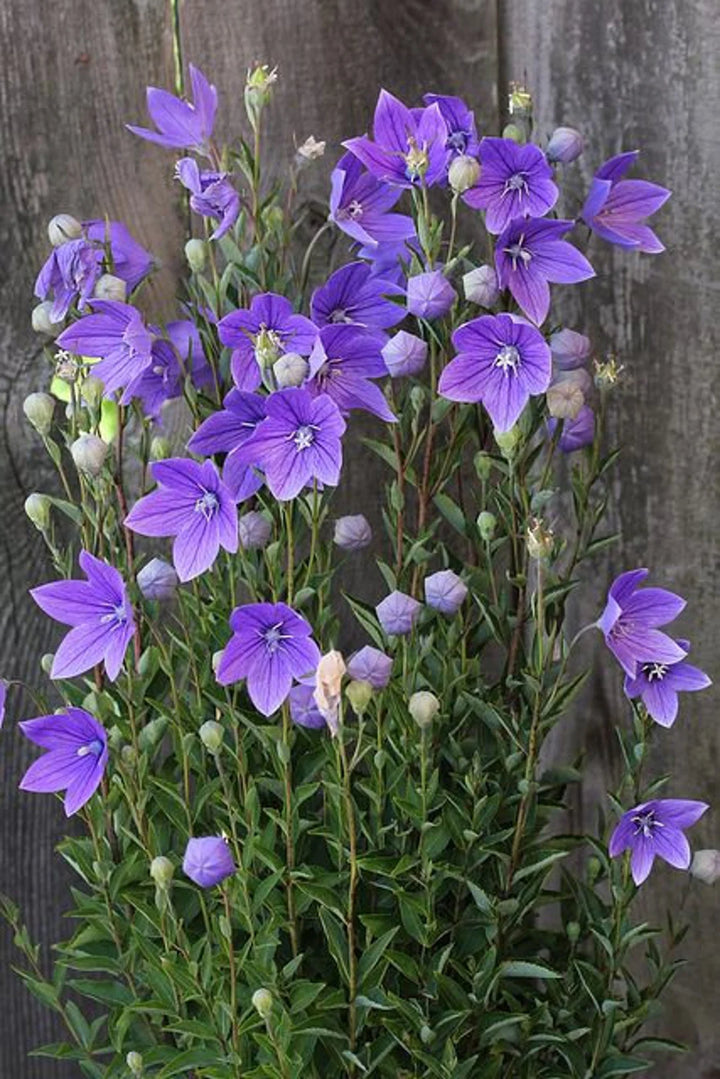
column 405, row 354
column 63, row 227
column 481, row 286
column 208, row 860
column 464, row 172
column 566, row 144
column 110, row 287
column 430, row 295
column 290, row 370
column 398, row 613
column 254, row 530
column 706, row 865
column 569, row 349
column 39, row 409
column 157, row 580
column 353, row 532
column 423, row 706
column 370, row 665
column 88, row 453
column 41, row 321
column 445, row 591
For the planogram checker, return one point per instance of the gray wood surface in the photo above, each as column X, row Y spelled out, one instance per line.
column 628, row 74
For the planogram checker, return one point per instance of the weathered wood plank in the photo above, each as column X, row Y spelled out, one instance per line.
column 645, row 75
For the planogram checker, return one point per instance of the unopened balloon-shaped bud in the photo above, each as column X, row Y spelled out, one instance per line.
column 507, row 441
column 63, row 227
column 195, row 254
column 405, row 354
column 564, row 399
column 353, row 532
column 162, row 871
column 91, row 390
column 262, row 1002
column 89, row 453
column 706, row 865
column 569, row 348
column 566, row 144
column 481, row 286
column 423, row 706
column 483, row 463
column 464, row 173
column 359, row 694
column 136, row 1065
column 514, row 132
column 290, row 369
column 212, row 736
column 430, row 295
column 110, row 287
column 39, row 409
column 486, row 523
column 254, row 530
column 37, row 508
column 42, row 322
column 157, row 580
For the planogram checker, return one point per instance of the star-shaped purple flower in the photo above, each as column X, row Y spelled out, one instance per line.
column 211, row 194
column 181, row 125
column 461, row 133
column 409, row 144
column 116, row 333
column 76, row 758
column 226, row 431
column 370, row 665
column 342, row 362
column 353, row 294
column 298, row 441
column 656, row 828
column 271, row 646
column 100, row 615
column 529, row 253
column 502, row 361
column 615, row 208
column 172, row 361
column 658, row 685
column 630, row 622
column 515, row 181
column 69, row 276
column 359, row 205
column 130, row 261
column 192, row 504
column 260, row 334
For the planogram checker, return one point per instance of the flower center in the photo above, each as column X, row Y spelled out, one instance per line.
column 95, row 748
column 654, row 672
column 116, row 615
column 457, row 141
column 516, row 182
column 207, row 504
column 304, row 436
column 508, row 359
column 645, row 824
column 273, row 636
column 355, row 210
column 518, row 253
column 268, row 346
column 416, row 160
column 339, row 315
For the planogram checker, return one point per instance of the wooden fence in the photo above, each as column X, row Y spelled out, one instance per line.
column 628, row 73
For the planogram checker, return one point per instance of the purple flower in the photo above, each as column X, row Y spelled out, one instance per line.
column 212, row 194
column 254, row 530
column 515, row 181
column 615, row 208
column 298, row 442
column 409, row 144
column 531, row 253
column 461, row 133
column 3, row 699
column 270, row 647
column 116, row 333
column 502, row 361
column 208, row 861
column 69, row 276
column 578, row 433
column 445, row 591
column 303, row 708
column 226, row 431
column 405, row 354
column 341, row 363
column 387, row 260
column 630, row 622
column 398, row 613
column 353, row 532
column 569, row 349
column 172, row 361
column 658, row 685
column 370, row 665
column 260, row 334
column 192, row 504
column 565, row 145
column 430, row 295
column 181, row 124
column 157, row 580
column 359, row 205
column 100, row 615
column 354, row 295
column 656, row 828
column 76, row 760
column 130, row 261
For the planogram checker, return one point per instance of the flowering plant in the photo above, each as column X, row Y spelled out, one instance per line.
column 296, row 861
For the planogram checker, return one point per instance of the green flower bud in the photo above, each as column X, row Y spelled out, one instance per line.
column 42, row 322
column 464, row 172
column 110, row 287
column 160, row 448
column 135, row 1063
column 195, row 253
column 128, row 756
column 573, row 932
column 212, row 736
column 417, row 398
column 359, row 695
column 258, row 91
column 486, row 523
column 63, row 227
column 37, row 507
column 162, row 871
column 46, row 662
column 92, row 390
column 512, row 131
column 507, row 440
column 483, row 465
column 262, row 1002
column 423, row 706
column 39, row 409
column 88, row 453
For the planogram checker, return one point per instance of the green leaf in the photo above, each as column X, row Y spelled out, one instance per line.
column 621, row 1066
column 372, row 955
column 518, row 968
